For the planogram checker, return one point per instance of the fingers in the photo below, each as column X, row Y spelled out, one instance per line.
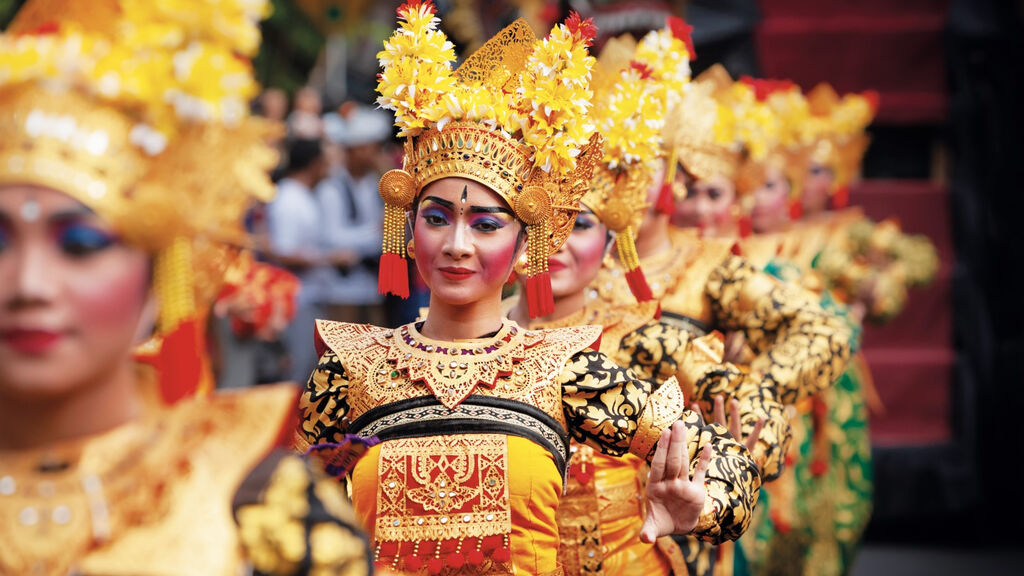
column 657, row 473
column 649, row 531
column 702, row 465
column 675, row 464
column 695, row 408
column 734, row 419
column 719, row 410
column 755, row 434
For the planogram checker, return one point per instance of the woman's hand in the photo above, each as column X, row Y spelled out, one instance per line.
column 675, row 501
column 733, row 424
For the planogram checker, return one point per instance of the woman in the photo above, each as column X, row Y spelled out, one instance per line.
column 99, row 472
column 473, row 412
column 796, row 346
column 601, row 514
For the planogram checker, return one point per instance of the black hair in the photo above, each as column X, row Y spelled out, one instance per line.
column 303, row 152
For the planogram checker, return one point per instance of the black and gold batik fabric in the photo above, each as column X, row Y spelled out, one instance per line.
column 294, row 519
column 594, row 410
column 604, row 406
column 801, row 348
column 658, row 350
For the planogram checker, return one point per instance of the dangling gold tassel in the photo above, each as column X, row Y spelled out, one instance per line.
column 666, row 201
column 630, row 260
column 398, row 189
column 180, row 361
column 539, row 299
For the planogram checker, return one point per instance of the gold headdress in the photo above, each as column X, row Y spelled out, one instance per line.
column 630, row 101
column 701, row 131
column 139, row 110
column 769, row 116
column 834, row 135
column 668, row 52
column 513, row 116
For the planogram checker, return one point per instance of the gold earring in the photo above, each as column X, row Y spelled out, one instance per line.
column 411, row 249
column 520, row 266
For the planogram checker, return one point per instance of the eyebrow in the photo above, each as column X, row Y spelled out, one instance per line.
column 70, row 214
column 490, row 210
column 443, row 203
column 472, row 209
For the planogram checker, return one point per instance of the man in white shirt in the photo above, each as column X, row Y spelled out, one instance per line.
column 297, row 241
column 353, row 212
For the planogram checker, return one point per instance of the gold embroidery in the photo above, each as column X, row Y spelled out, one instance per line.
column 377, row 367
column 663, row 408
column 437, row 488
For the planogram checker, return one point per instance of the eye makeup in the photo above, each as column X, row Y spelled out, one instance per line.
column 78, row 239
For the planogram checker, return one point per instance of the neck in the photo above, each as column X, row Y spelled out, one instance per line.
column 304, row 178
column 449, row 322
column 653, row 238
column 92, row 409
column 565, row 305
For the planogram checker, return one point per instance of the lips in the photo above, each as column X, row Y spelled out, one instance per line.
column 555, row 266
column 456, row 272
column 29, row 341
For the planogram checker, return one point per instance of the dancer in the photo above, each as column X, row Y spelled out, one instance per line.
column 115, row 209
column 474, row 413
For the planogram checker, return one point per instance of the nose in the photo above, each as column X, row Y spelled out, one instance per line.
column 33, row 280
column 458, row 244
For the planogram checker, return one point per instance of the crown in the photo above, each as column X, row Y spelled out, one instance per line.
column 834, row 134
column 630, row 101
column 513, row 116
column 701, row 131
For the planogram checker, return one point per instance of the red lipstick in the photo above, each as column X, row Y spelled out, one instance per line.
column 555, row 266
column 27, row 341
column 456, row 272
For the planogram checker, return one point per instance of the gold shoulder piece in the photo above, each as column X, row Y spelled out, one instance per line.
column 663, row 408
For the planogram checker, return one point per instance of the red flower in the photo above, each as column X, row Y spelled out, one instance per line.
column 681, row 30
column 414, row 6
column 584, row 30
column 764, row 87
column 643, row 69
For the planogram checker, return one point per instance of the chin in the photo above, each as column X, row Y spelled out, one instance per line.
column 458, row 295
column 34, row 381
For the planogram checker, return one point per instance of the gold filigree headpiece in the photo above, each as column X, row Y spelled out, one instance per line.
column 770, row 114
column 630, row 101
column 513, row 116
column 834, row 135
column 139, row 110
column 701, row 130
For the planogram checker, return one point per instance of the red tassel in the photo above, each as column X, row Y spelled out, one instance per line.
column 394, row 275
column 796, row 210
column 489, row 543
column 434, row 566
column 179, row 363
column 502, row 555
column 455, row 560
column 475, row 558
column 841, row 198
column 638, row 285
column 412, row 563
column 666, row 201
column 746, row 226
column 540, row 301
column 819, row 467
